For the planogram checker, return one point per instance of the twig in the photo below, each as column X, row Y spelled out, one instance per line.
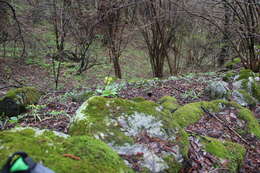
column 10, row 86
column 223, row 122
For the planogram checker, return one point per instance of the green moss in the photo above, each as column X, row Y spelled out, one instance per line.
column 232, row 63
column 245, row 74
column 229, row 76
column 256, row 90
column 227, row 150
column 252, row 123
column 95, row 156
column 191, row 113
column 184, row 143
column 244, row 84
column 99, row 111
column 24, row 96
column 167, row 99
column 245, row 114
column 138, row 99
column 174, row 166
column 170, row 106
column 169, row 103
column 248, row 98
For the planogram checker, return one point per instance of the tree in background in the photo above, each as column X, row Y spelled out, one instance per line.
column 10, row 29
column 158, row 24
column 113, row 23
column 239, row 23
column 83, row 28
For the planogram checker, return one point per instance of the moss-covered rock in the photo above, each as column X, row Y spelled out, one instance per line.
column 246, row 88
column 15, row 100
column 229, row 76
column 245, row 74
column 169, row 103
column 119, row 123
column 217, row 90
column 256, row 90
column 125, row 125
column 58, row 152
column 233, row 153
column 24, row 96
column 244, row 98
column 192, row 112
column 252, row 126
column 231, row 64
column 138, row 99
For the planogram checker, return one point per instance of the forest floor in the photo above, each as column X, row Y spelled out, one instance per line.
column 59, row 107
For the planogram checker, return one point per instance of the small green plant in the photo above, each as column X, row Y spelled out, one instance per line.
column 109, row 80
column 108, row 91
column 58, row 113
column 36, row 111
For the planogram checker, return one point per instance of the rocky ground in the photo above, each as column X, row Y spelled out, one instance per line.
column 60, row 106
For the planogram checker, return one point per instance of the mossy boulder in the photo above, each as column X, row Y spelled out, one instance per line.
column 248, row 82
column 138, row 99
column 252, row 126
column 169, row 103
column 232, row 153
column 128, row 125
column 245, row 74
column 192, row 112
column 229, row 76
column 15, row 100
column 217, row 90
column 243, row 98
column 231, row 64
column 60, row 152
column 256, row 90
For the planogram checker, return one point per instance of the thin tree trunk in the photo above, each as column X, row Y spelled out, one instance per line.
column 224, row 49
column 117, row 67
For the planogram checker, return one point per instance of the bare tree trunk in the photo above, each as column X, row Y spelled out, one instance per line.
column 224, row 53
column 117, row 67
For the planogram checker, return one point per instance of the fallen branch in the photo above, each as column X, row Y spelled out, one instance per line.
column 223, row 122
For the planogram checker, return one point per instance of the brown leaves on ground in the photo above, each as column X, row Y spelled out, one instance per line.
column 208, row 126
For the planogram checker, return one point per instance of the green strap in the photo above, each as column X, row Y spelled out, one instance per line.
column 19, row 165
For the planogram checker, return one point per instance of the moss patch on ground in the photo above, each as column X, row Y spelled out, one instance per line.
column 232, row 63
column 24, row 96
column 229, row 76
column 169, row 103
column 256, row 90
column 48, row 148
column 191, row 113
column 248, row 98
column 252, row 125
column 233, row 152
column 246, row 73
